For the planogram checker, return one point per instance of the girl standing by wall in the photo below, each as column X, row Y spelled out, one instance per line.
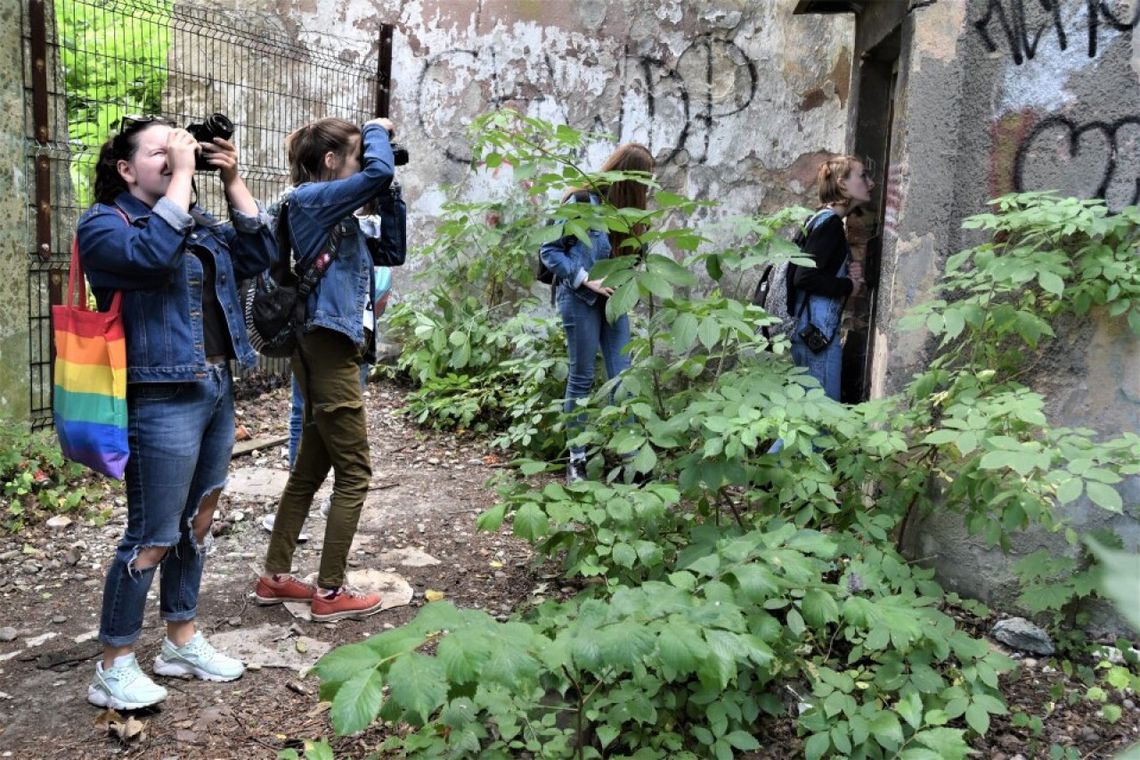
column 178, row 271
column 582, row 299
column 817, row 296
column 334, row 175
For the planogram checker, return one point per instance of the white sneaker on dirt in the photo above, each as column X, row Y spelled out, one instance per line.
column 267, row 522
column 196, row 659
column 124, row 687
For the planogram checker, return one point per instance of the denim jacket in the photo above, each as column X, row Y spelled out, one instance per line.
column 148, row 257
column 570, row 259
column 315, row 208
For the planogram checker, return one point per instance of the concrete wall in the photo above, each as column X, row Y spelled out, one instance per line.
column 14, row 397
column 736, row 99
column 996, row 96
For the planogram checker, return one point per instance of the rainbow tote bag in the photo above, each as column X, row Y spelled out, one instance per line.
column 90, row 401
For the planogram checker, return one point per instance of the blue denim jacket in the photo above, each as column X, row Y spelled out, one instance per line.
column 315, row 208
column 149, row 259
column 570, row 259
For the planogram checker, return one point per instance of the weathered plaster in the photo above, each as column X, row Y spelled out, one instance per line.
column 985, row 112
column 14, row 397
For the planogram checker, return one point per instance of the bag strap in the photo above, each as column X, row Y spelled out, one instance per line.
column 77, row 282
column 323, row 261
column 815, row 220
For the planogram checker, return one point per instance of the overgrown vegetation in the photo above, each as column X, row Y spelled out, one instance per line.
column 114, row 63
column 737, row 585
column 36, row 480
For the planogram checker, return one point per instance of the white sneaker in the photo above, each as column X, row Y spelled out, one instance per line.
column 267, row 522
column 124, row 687
column 196, row 659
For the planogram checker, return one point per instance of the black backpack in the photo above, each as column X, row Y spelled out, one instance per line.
column 775, row 292
column 275, row 302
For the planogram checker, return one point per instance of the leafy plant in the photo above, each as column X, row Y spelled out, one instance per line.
column 740, row 577
column 36, row 480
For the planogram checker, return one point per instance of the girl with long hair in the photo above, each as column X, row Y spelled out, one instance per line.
column 582, row 298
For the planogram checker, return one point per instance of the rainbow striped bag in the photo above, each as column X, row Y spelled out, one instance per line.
column 90, row 402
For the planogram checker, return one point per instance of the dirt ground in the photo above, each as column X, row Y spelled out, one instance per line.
column 426, row 491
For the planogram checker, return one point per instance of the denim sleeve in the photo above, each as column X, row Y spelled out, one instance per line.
column 316, row 207
column 119, row 256
column 253, row 246
column 555, row 256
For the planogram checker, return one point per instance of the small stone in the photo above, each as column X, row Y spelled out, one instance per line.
column 433, row 460
column 1021, row 634
column 59, row 521
column 1030, row 662
column 58, row 619
column 1128, row 704
column 1089, row 735
column 234, row 621
column 420, row 528
column 8, row 556
column 237, row 516
column 8, row 633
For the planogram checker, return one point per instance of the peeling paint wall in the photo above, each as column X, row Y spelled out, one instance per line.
column 736, row 99
column 998, row 96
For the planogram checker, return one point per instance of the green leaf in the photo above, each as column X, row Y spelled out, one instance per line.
column 886, row 729
column 742, row 740
column 910, row 708
column 947, row 742
column 1104, row 496
column 418, row 684
column 344, row 663
column 624, row 555
column 357, row 702
column 819, row 608
column 978, row 719
column 622, row 301
column 709, row 332
column 530, row 522
column 684, row 332
column 606, row 734
column 1051, row 283
column 816, row 746
column 1120, row 581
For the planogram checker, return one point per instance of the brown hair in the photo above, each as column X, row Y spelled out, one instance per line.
column 122, row 146
column 830, row 172
column 307, row 146
column 626, row 193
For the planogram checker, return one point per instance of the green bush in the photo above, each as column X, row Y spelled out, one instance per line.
column 740, row 584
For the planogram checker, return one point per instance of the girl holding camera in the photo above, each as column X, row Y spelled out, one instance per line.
column 817, row 295
column 177, row 270
column 336, row 168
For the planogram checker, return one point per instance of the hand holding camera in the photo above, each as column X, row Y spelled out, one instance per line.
column 213, row 126
column 399, row 152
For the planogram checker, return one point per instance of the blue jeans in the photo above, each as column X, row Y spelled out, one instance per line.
column 587, row 332
column 181, row 437
column 297, row 413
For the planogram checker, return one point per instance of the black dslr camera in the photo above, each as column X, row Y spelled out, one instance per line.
column 214, row 125
column 399, row 154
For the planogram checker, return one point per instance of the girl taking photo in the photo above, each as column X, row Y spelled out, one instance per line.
column 817, row 295
column 336, row 168
column 177, row 269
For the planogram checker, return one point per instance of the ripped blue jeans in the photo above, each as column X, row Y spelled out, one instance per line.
column 181, row 437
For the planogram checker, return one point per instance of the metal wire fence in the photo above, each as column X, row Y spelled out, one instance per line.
column 90, row 62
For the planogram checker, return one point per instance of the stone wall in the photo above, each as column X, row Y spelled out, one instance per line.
column 997, row 96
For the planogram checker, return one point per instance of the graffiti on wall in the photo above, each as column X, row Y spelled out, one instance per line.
column 684, row 102
column 1093, row 159
column 1022, row 25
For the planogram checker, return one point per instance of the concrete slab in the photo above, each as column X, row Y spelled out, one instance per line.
column 409, row 557
column 270, row 646
column 262, row 482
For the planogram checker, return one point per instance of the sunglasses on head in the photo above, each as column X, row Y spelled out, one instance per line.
column 130, row 124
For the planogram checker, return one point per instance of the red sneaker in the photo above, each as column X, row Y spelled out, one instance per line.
column 343, row 604
column 274, row 589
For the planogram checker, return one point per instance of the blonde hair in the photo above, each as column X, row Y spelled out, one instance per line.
column 830, row 172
